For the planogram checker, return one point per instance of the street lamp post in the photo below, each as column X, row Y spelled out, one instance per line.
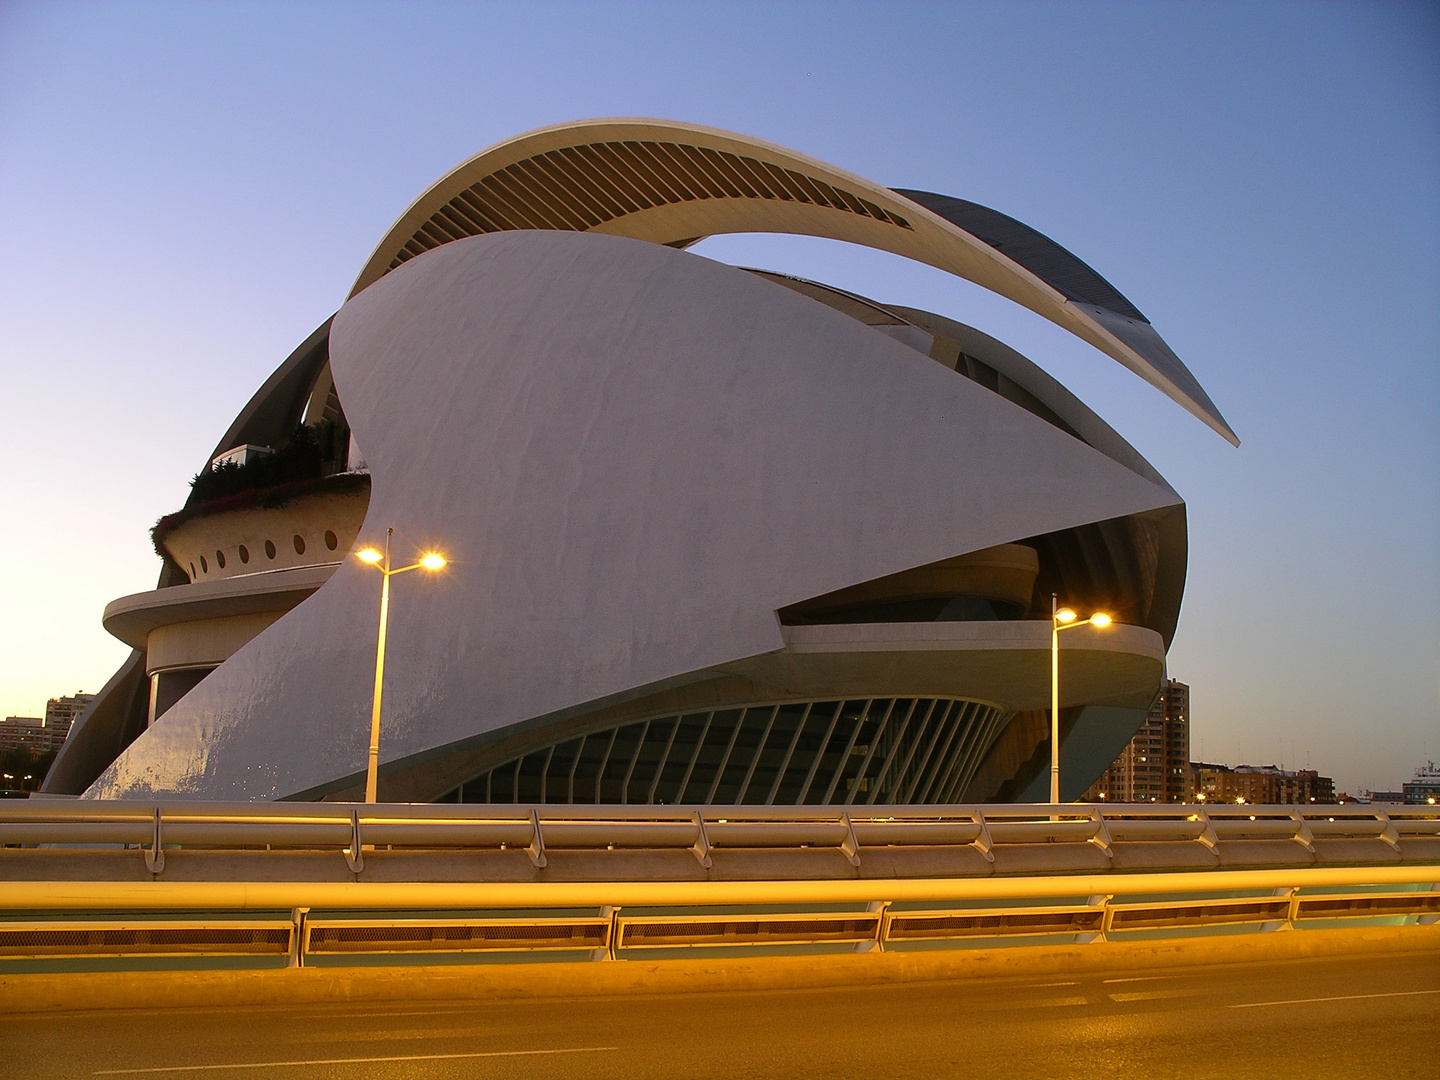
column 1061, row 619
column 429, row 561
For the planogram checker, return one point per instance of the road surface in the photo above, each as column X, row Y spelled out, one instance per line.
column 1371, row 1016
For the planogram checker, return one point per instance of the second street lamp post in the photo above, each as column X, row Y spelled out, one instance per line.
column 1061, row 619
column 429, row 561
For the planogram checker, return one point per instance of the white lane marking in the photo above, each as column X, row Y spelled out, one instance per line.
column 1142, row 978
column 1054, row 1003
column 349, row 1061
column 1159, row 995
column 1340, row 997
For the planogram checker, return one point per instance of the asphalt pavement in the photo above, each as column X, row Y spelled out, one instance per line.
column 1374, row 1017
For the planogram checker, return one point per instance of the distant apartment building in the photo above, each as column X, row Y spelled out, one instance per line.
column 1260, row 784
column 1386, row 798
column 42, row 734
column 1425, row 787
column 1155, row 766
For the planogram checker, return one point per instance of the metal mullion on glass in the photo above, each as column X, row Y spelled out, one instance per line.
column 957, row 729
column 694, row 757
column 943, row 767
column 903, row 781
column 979, row 725
column 755, row 757
column 849, row 746
column 664, row 760
column 545, row 771
column 974, row 733
column 785, row 764
column 724, row 761
column 515, row 781
column 820, row 753
column 869, row 753
column 879, row 776
column 972, row 747
column 924, row 737
column 930, row 745
column 985, row 736
column 993, row 726
column 909, row 756
column 570, row 781
column 604, row 761
column 630, row 769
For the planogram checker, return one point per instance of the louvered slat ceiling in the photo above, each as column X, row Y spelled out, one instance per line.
column 578, row 187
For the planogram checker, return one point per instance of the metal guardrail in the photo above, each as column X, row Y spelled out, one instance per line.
column 90, row 879
column 355, row 829
column 611, row 931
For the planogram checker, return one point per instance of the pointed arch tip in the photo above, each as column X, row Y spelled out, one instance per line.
column 676, row 183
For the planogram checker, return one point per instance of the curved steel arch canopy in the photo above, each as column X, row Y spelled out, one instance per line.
column 674, row 184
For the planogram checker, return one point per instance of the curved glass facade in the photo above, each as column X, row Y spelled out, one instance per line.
column 854, row 752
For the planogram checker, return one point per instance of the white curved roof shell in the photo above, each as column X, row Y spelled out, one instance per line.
column 674, row 184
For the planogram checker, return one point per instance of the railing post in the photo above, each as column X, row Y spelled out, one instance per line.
column 354, row 858
column 701, row 847
column 1288, row 923
column 1389, row 833
column 536, row 850
column 1208, row 836
column 612, row 934
column 297, row 937
column 1303, row 836
column 880, row 908
column 982, row 843
column 1101, row 839
column 851, row 846
column 155, row 857
column 1102, row 901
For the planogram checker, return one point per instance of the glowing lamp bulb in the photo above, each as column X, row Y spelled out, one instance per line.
column 1064, row 615
column 1100, row 619
column 432, row 561
column 369, row 555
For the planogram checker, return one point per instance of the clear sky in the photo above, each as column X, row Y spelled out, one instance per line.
column 187, row 190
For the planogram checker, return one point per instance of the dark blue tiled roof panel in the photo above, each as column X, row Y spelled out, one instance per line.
column 1033, row 250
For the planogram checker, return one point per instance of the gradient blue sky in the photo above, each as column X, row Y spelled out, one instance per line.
column 187, row 190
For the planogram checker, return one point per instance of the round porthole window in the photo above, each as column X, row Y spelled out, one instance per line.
column 299, row 544
column 220, row 559
column 204, row 566
column 244, row 554
column 193, row 575
column 331, row 540
column 269, row 549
